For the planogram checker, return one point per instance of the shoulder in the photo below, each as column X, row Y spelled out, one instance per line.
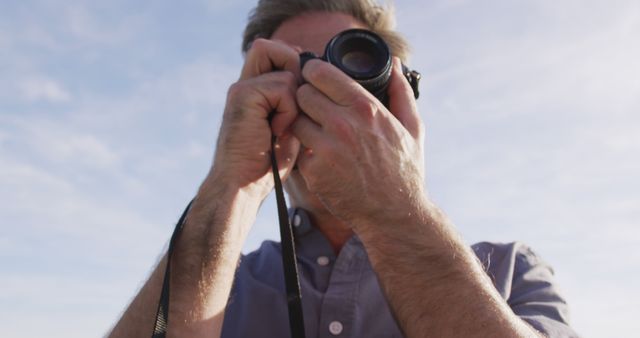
column 258, row 276
column 527, row 284
column 257, row 286
column 509, row 260
column 263, row 263
column 266, row 250
column 506, row 250
column 513, row 267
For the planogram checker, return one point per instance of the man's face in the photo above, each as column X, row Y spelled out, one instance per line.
column 310, row 32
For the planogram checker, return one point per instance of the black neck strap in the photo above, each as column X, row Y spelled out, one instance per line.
column 291, row 280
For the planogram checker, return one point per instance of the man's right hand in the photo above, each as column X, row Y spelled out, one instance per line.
column 267, row 86
column 206, row 253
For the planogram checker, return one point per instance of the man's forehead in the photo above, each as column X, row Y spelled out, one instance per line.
column 311, row 31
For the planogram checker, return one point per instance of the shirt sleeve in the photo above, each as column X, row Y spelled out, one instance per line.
column 527, row 284
column 535, row 297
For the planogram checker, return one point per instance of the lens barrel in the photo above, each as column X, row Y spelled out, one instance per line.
column 364, row 56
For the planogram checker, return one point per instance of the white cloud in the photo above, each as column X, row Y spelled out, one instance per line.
column 196, row 149
column 4, row 136
column 14, row 173
column 43, row 89
column 49, row 139
column 87, row 25
column 33, row 32
column 82, row 148
column 203, row 82
column 217, row 6
column 56, row 302
column 68, row 249
column 5, row 40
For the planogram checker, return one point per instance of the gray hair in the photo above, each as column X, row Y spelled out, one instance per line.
column 268, row 15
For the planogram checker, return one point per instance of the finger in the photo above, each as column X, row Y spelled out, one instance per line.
column 402, row 103
column 266, row 55
column 331, row 81
column 315, row 104
column 272, row 92
column 310, row 136
column 287, row 149
column 308, row 132
column 285, row 108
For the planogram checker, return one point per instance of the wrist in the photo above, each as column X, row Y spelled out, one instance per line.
column 225, row 208
column 235, row 180
column 207, row 251
column 415, row 215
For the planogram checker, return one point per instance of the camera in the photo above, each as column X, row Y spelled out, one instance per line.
column 365, row 57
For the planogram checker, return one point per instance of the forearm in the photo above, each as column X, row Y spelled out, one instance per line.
column 202, row 269
column 433, row 281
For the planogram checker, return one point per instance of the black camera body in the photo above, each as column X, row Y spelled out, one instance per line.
column 365, row 57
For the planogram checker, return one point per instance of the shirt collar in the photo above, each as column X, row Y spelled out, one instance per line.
column 300, row 222
column 310, row 242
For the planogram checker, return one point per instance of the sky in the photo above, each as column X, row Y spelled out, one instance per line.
column 109, row 114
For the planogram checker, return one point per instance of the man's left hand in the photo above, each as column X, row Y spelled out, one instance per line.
column 363, row 161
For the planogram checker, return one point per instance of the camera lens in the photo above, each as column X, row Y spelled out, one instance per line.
column 364, row 56
column 358, row 62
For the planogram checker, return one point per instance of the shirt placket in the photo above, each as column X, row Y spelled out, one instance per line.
column 338, row 309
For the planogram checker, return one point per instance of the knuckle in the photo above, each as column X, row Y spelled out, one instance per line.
column 259, row 45
column 365, row 107
column 303, row 90
column 302, row 93
column 343, row 129
column 236, row 90
column 274, row 82
column 314, row 70
column 233, row 111
column 421, row 130
column 288, row 78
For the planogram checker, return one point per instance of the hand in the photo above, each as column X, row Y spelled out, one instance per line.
column 363, row 161
column 268, row 83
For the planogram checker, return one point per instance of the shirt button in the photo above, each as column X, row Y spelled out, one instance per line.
column 335, row 327
column 322, row 260
column 297, row 220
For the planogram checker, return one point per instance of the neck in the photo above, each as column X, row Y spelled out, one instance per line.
column 336, row 231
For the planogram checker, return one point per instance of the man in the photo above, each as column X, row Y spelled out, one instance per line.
column 376, row 256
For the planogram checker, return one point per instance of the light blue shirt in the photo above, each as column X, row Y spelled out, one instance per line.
column 342, row 298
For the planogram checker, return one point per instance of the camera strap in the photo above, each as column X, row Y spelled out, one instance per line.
column 291, row 280
column 292, row 283
column 162, row 313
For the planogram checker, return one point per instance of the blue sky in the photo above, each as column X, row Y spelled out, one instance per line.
column 109, row 112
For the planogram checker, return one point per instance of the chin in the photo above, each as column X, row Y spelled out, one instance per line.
column 299, row 195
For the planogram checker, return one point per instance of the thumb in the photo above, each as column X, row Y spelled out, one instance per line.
column 402, row 104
